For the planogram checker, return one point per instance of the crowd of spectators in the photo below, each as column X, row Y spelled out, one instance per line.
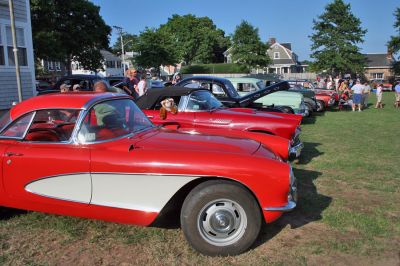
column 357, row 91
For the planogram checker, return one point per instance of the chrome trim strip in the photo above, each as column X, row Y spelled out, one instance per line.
column 288, row 207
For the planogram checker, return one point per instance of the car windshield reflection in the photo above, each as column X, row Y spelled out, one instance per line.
column 203, row 101
column 113, row 119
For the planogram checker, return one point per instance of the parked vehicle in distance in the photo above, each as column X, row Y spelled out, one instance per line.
column 226, row 93
column 199, row 109
column 281, row 99
column 318, row 92
column 96, row 155
column 42, row 86
column 114, row 80
column 309, row 97
column 85, row 83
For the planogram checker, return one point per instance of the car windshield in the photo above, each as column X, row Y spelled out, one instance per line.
column 113, row 119
column 203, row 101
column 5, row 119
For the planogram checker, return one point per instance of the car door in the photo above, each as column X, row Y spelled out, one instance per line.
column 41, row 166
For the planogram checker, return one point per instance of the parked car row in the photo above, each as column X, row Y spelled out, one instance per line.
column 222, row 167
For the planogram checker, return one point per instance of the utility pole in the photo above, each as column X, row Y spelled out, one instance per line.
column 15, row 50
column 119, row 29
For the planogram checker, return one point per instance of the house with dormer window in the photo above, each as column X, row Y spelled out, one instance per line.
column 284, row 60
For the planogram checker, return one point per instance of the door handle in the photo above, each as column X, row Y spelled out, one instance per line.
column 9, row 154
column 150, row 116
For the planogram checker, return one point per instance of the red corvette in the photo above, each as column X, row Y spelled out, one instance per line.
column 198, row 109
column 98, row 156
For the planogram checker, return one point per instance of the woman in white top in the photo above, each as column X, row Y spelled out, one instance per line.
column 379, row 91
column 142, row 85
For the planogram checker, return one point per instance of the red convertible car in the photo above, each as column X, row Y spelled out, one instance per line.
column 198, row 109
column 98, row 156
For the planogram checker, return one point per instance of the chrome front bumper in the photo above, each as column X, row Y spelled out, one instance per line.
column 292, row 196
column 295, row 151
column 331, row 102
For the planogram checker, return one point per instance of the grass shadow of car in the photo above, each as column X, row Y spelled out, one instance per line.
column 310, row 206
column 9, row 213
column 309, row 152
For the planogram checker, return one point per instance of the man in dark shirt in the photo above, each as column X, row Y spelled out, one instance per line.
column 131, row 81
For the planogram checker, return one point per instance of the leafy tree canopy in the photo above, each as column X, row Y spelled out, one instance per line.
column 336, row 35
column 155, row 48
column 394, row 43
column 196, row 39
column 63, row 30
column 248, row 49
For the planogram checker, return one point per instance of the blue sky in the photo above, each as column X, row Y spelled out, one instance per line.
column 287, row 21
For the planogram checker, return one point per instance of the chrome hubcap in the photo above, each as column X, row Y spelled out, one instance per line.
column 222, row 222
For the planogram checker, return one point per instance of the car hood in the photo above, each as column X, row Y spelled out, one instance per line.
column 195, row 142
column 251, row 97
column 251, row 113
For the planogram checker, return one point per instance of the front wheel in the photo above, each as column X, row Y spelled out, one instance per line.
column 220, row 218
column 320, row 106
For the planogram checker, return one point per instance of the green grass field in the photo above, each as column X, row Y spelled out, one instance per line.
column 348, row 214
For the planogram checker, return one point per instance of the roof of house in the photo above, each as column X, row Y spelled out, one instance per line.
column 283, row 61
column 378, row 60
column 287, row 45
column 108, row 56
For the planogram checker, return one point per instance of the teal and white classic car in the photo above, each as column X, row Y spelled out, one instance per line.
column 286, row 99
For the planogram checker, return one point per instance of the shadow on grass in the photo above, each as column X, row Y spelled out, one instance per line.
column 309, row 152
column 310, row 206
column 8, row 213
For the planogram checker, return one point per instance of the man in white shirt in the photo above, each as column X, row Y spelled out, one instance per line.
column 357, row 90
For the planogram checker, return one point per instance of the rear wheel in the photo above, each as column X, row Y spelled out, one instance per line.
column 220, row 218
column 309, row 108
column 320, row 106
column 286, row 109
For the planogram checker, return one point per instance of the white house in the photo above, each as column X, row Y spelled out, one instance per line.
column 8, row 80
column 112, row 66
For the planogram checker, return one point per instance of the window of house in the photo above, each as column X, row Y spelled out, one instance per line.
column 58, row 66
column 376, row 75
column 118, row 64
column 110, row 64
column 276, row 55
column 21, row 45
column 2, row 62
column 50, row 65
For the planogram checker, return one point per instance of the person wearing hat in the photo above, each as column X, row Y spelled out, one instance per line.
column 64, row 88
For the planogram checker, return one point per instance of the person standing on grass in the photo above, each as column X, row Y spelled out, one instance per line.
column 379, row 91
column 357, row 90
column 397, row 94
column 366, row 93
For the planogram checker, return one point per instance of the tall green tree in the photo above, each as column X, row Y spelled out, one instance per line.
column 64, row 30
column 197, row 39
column 337, row 32
column 247, row 48
column 394, row 43
column 155, row 48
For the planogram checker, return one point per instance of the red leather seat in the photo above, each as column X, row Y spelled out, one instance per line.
column 42, row 135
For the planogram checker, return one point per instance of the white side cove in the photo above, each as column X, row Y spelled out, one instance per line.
column 76, row 187
column 135, row 191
